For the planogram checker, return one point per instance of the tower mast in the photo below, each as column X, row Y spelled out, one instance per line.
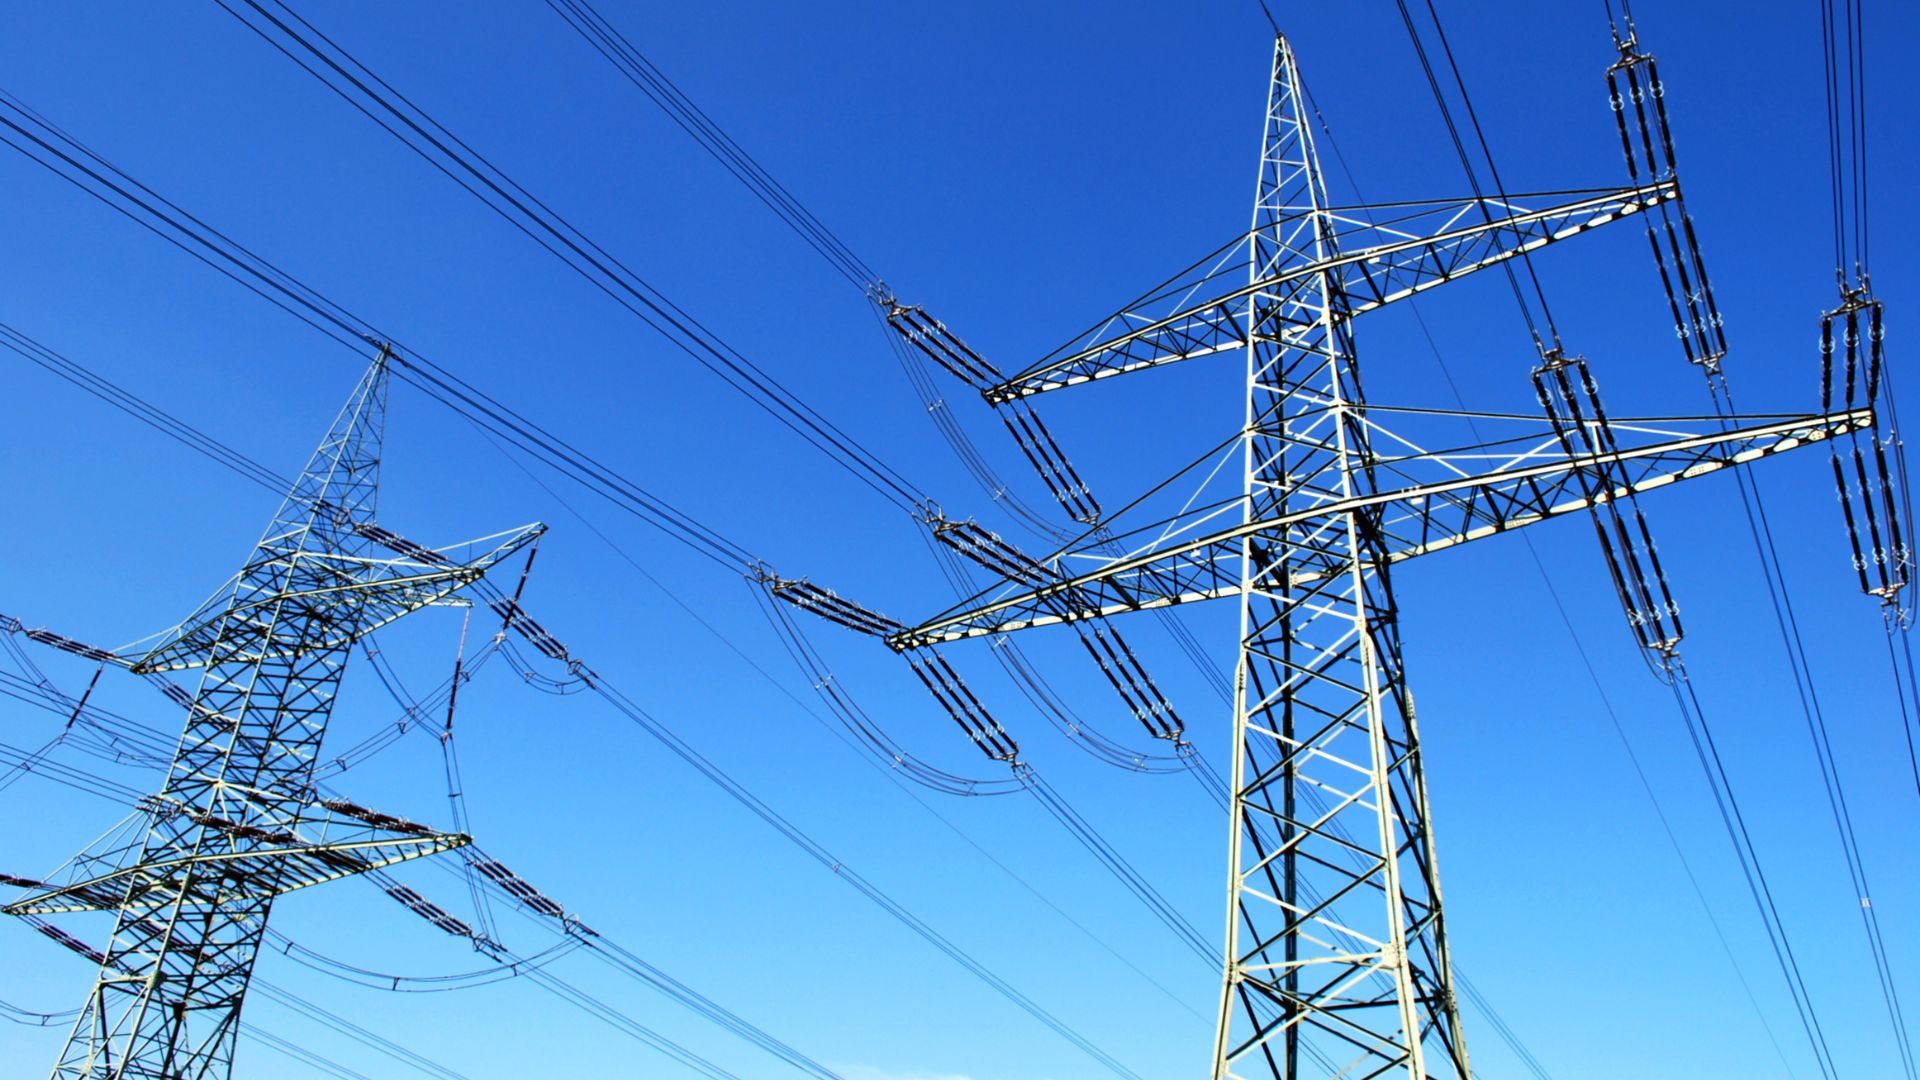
column 194, row 876
column 1327, row 765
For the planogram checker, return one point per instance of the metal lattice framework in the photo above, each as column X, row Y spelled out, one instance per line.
column 193, row 876
column 1336, row 959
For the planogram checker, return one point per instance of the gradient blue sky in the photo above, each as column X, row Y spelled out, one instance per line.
column 1021, row 169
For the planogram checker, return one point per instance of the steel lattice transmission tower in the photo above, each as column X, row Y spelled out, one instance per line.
column 1336, row 958
column 193, row 876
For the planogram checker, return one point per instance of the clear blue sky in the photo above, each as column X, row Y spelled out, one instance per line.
column 1021, row 169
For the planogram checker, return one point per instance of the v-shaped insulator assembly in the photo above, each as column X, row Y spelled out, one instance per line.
column 428, row 910
column 1572, row 402
column 1047, row 459
column 1129, row 677
column 1870, row 500
column 1632, row 84
column 985, row 547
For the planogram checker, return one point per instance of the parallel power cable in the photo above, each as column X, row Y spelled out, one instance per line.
column 14, row 1014
column 394, row 112
column 311, row 1058
column 1807, row 694
column 1466, row 163
column 373, row 1040
column 634, row 66
column 483, row 874
column 820, row 854
column 59, row 153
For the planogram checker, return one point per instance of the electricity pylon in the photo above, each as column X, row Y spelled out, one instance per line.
column 1336, row 958
column 193, row 875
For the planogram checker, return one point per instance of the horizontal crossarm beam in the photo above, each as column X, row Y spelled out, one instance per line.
column 1410, row 521
column 279, row 869
column 384, row 589
column 1387, row 253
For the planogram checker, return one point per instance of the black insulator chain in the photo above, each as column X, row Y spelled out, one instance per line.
column 1632, row 559
column 835, row 608
column 987, row 549
column 944, row 683
column 931, row 337
column 1868, row 493
column 1130, row 679
column 1683, row 272
column 1116, row 660
column 942, row 346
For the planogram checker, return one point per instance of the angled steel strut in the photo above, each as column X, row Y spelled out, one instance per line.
column 193, row 876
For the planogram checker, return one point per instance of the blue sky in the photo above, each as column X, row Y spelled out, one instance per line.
column 1020, row 169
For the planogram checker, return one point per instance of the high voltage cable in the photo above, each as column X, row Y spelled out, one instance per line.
column 65, row 157
column 1707, row 751
column 311, row 1058
column 681, row 109
column 608, row 950
column 636, row 68
column 1845, row 33
column 398, row 115
column 1772, row 572
column 1466, row 164
column 647, row 722
column 340, row 1024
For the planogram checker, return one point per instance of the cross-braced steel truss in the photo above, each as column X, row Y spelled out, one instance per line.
column 193, row 876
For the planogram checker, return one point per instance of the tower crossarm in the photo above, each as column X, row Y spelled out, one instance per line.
column 381, row 590
column 286, row 867
column 1384, row 253
column 1537, row 483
